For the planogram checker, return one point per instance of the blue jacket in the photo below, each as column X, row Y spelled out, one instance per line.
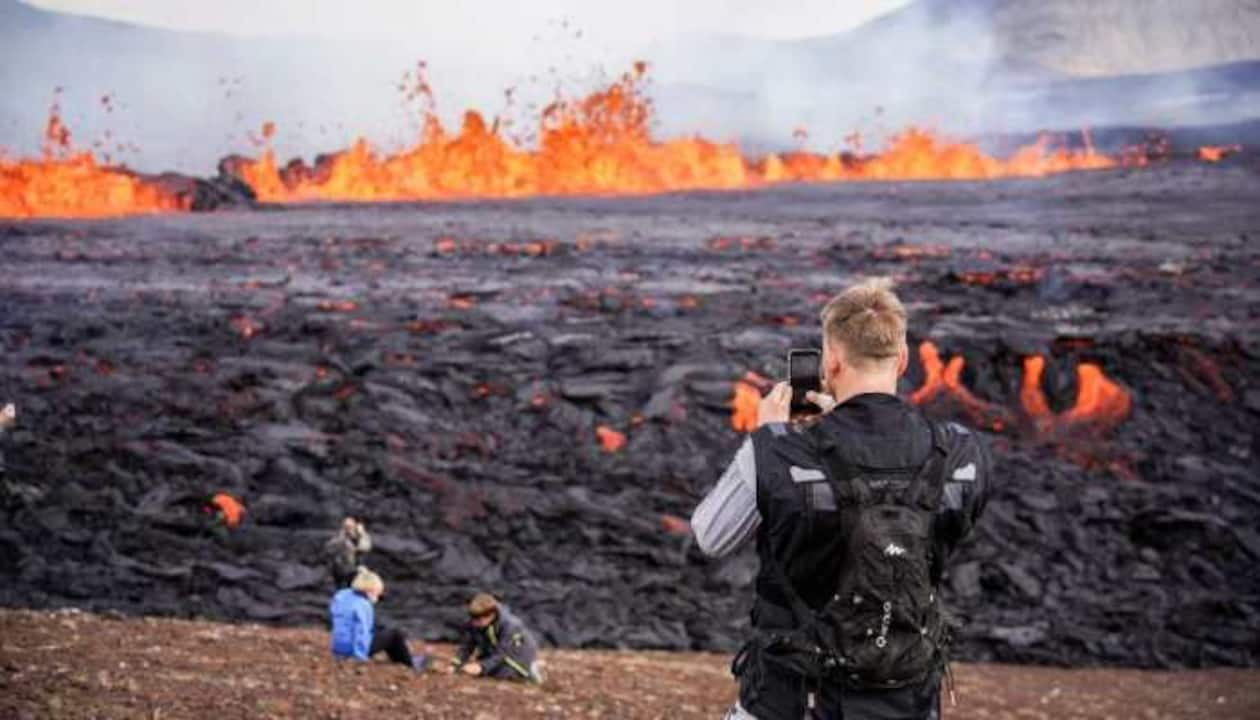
column 352, row 620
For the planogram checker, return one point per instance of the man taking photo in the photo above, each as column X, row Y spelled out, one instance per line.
column 854, row 515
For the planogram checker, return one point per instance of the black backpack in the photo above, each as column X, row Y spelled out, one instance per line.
column 884, row 626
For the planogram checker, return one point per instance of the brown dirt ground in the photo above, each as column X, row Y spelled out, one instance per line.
column 68, row 664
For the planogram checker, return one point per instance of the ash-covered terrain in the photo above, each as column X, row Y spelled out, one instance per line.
column 462, row 376
column 72, row 665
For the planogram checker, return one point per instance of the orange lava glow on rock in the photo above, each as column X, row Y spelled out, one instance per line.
column 245, row 326
column 76, row 186
column 601, row 145
column 1216, row 153
column 744, row 407
column 1100, row 402
column 68, row 183
column 230, row 510
column 945, row 379
column 1031, row 396
column 675, row 525
column 1098, row 399
column 609, row 439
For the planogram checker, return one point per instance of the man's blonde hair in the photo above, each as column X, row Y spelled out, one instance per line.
column 868, row 320
column 366, row 581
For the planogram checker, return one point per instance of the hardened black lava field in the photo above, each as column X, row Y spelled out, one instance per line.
column 527, row 396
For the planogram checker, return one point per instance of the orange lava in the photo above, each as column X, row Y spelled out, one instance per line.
column 1098, row 399
column 675, row 525
column 609, row 439
column 69, row 183
column 1216, row 153
column 601, row 144
column 76, row 186
column 246, row 326
column 230, row 510
column 744, row 407
column 1100, row 402
column 1017, row 275
column 941, row 379
column 344, row 306
column 1031, row 397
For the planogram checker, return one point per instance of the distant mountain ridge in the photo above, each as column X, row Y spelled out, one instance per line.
column 1092, row 38
column 1069, row 38
column 985, row 65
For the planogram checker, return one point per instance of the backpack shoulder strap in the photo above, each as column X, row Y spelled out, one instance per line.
column 842, row 474
column 925, row 491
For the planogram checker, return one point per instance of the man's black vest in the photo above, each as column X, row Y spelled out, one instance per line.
column 801, row 530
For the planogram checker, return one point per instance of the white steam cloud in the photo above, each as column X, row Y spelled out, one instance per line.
column 964, row 67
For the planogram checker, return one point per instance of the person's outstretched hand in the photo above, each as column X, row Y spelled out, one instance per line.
column 471, row 668
column 776, row 406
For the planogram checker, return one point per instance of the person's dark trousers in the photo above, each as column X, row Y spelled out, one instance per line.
column 393, row 643
column 782, row 695
column 505, row 672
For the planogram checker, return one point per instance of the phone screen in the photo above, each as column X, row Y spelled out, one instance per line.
column 803, row 374
column 803, row 365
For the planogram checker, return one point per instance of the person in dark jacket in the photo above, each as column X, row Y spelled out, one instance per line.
column 355, row 634
column 345, row 551
column 803, row 492
column 496, row 643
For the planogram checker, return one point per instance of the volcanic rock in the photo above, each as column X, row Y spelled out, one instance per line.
column 310, row 362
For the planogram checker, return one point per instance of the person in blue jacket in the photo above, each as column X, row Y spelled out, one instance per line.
column 355, row 634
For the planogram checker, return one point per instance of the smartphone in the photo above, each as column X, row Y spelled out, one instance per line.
column 804, row 374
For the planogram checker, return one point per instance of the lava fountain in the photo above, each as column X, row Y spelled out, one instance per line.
column 65, row 182
column 602, row 145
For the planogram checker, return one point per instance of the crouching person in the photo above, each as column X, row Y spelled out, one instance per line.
column 497, row 644
column 355, row 634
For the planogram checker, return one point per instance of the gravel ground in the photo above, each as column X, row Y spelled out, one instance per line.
column 69, row 664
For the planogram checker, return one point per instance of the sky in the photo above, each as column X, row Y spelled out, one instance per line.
column 485, row 22
column 328, row 71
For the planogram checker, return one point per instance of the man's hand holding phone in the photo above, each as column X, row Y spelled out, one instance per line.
column 776, row 406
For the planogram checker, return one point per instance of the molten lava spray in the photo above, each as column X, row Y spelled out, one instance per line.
column 65, row 182
column 597, row 145
column 601, row 144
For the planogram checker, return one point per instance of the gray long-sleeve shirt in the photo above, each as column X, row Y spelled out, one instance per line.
column 727, row 517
